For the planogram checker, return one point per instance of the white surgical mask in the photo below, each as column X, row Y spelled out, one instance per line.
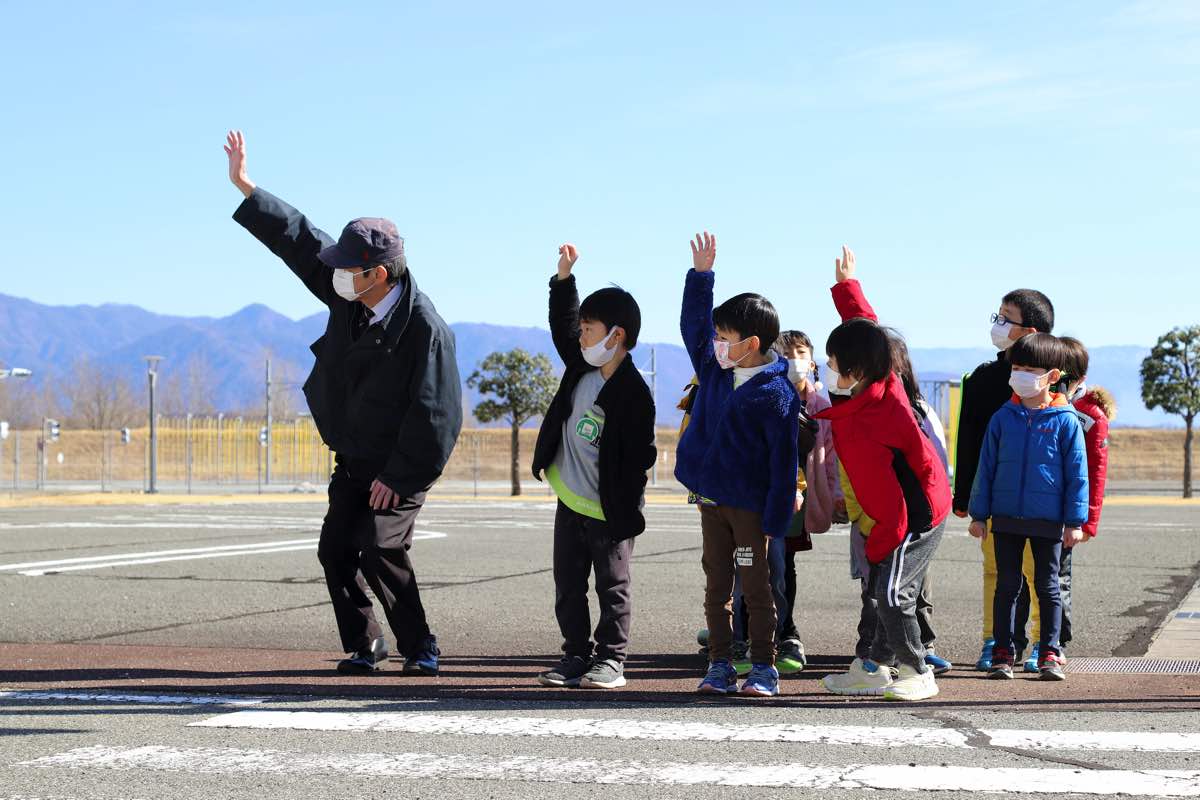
column 721, row 351
column 798, row 369
column 343, row 284
column 1025, row 384
column 1000, row 335
column 597, row 355
column 832, row 377
column 1079, row 392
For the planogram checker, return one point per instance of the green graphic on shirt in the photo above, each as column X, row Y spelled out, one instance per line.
column 588, row 428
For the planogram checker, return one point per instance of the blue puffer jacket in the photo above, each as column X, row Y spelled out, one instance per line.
column 740, row 448
column 1032, row 478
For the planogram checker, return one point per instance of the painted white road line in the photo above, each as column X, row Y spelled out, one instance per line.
column 222, row 526
column 39, row 568
column 921, row 778
column 631, row 729
column 150, row 699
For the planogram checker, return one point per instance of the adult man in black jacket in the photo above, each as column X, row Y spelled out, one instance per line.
column 385, row 395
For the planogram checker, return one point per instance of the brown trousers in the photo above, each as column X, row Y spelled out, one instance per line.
column 733, row 539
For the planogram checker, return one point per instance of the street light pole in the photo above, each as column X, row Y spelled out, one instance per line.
column 152, row 376
column 267, row 466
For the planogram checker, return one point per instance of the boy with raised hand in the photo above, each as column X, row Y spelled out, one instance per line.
column 740, row 456
column 595, row 446
column 984, row 392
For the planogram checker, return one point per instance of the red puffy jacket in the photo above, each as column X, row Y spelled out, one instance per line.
column 895, row 470
column 1097, row 408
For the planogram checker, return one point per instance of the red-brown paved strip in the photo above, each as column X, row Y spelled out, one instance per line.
column 652, row 680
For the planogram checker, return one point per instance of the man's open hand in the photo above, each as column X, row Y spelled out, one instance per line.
column 844, row 266
column 568, row 254
column 383, row 498
column 235, row 148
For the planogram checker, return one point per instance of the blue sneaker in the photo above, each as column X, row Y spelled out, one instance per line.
column 763, row 681
column 425, row 660
column 938, row 664
column 721, row 679
column 1031, row 663
column 985, row 655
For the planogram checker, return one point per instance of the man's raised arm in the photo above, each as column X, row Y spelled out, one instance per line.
column 285, row 231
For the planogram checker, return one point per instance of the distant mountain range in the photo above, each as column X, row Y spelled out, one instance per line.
column 227, row 354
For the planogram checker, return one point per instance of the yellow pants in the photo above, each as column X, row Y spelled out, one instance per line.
column 989, row 589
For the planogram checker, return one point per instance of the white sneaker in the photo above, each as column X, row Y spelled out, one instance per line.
column 865, row 678
column 912, row 685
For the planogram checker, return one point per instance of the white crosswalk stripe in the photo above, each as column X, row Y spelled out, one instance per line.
column 232, row 761
column 667, row 731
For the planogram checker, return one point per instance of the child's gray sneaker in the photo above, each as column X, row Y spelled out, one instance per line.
column 568, row 672
column 605, row 674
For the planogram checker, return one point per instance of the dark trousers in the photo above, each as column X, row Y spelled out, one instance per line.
column 787, row 627
column 868, row 618
column 360, row 547
column 1064, row 595
column 583, row 545
column 1010, row 550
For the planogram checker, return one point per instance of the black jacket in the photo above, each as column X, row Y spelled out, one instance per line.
column 984, row 391
column 627, row 444
column 392, row 398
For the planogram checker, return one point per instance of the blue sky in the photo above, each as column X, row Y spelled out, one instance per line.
column 961, row 150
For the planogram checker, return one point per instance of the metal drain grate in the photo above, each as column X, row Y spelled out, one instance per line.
column 1156, row 666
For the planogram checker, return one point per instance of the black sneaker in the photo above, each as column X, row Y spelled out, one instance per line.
column 568, row 672
column 605, row 674
column 425, row 660
column 365, row 661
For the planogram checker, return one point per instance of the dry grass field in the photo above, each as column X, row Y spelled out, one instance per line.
column 1136, row 454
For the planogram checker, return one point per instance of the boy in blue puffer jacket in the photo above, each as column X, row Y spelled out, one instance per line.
column 739, row 455
column 1032, row 484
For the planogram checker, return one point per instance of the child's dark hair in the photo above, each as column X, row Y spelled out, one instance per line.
column 861, row 347
column 613, row 307
column 749, row 315
column 1037, row 311
column 902, row 366
column 1040, row 350
column 790, row 340
column 1075, row 359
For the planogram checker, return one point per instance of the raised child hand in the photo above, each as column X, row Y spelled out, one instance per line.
column 567, row 256
column 978, row 529
column 704, row 252
column 844, row 266
column 235, row 149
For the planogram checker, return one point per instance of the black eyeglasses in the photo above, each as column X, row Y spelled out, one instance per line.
column 1003, row 320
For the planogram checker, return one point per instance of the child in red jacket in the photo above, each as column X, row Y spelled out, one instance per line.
column 1095, row 408
column 898, row 480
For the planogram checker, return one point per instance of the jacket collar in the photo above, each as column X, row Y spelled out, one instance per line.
column 868, row 396
column 402, row 312
column 1058, row 402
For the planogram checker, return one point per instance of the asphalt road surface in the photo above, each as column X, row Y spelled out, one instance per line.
column 185, row 651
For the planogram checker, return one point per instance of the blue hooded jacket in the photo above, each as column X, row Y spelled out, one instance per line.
column 740, row 448
column 1032, row 477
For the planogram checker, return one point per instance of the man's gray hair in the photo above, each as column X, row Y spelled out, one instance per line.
column 395, row 268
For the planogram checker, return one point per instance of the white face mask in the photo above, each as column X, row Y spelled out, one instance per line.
column 1000, row 336
column 832, row 377
column 597, row 355
column 721, row 351
column 343, row 284
column 798, row 369
column 1079, row 392
column 1025, row 384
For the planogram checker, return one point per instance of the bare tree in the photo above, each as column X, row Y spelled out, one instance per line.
column 96, row 399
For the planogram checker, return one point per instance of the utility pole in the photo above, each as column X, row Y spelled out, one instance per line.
column 152, row 377
column 267, row 467
column 653, row 373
